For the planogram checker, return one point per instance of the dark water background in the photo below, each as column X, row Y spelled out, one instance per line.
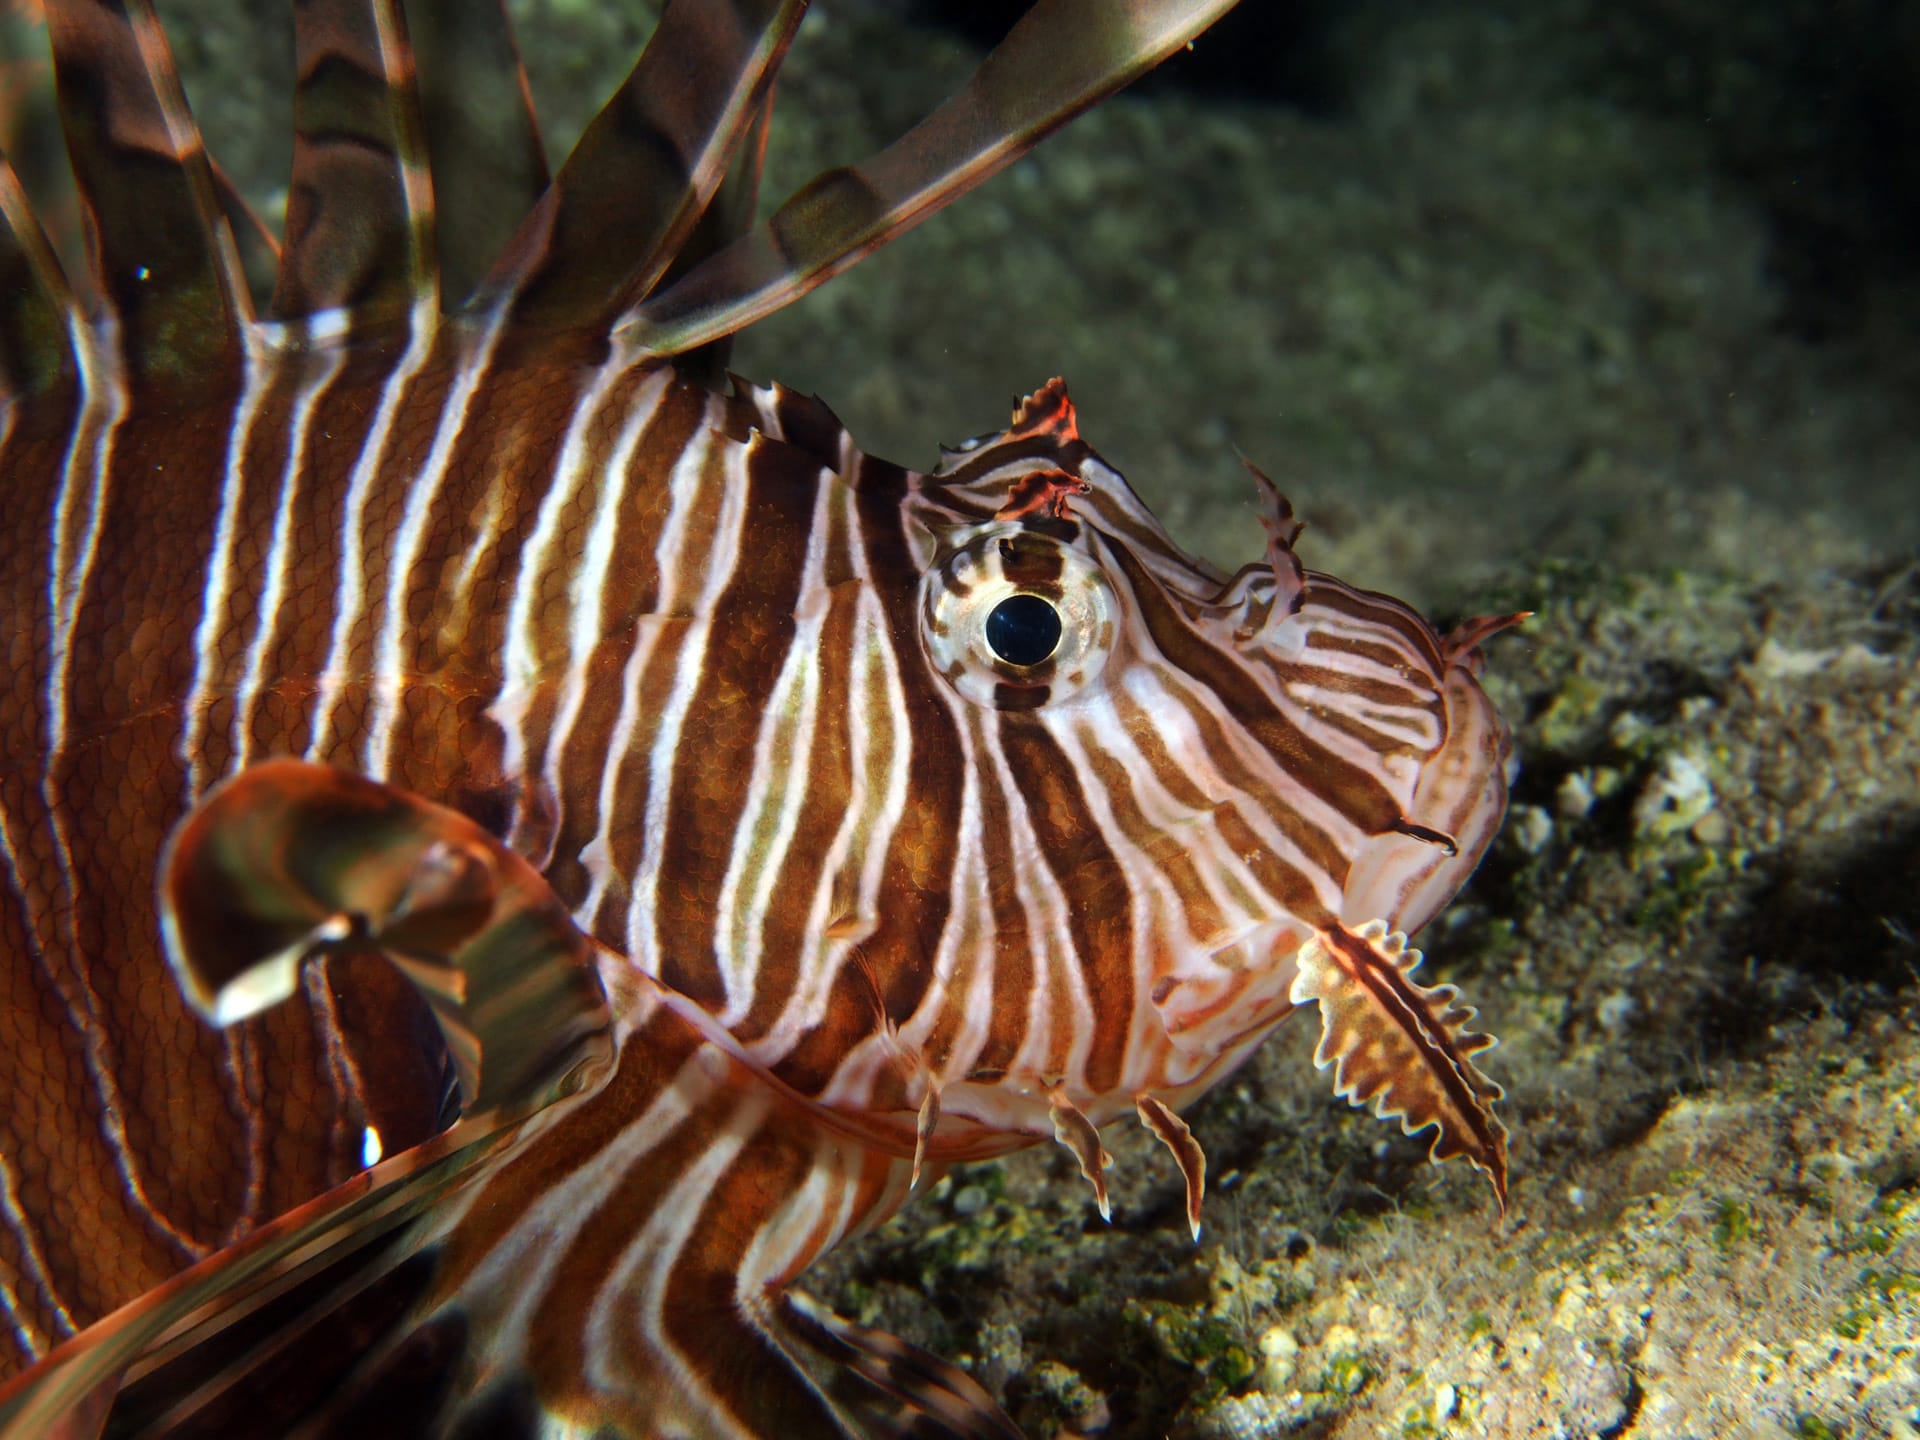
column 1479, row 284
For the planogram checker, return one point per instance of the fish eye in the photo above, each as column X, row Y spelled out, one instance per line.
column 1015, row 618
column 1023, row 630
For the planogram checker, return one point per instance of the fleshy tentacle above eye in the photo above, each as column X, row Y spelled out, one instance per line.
column 1401, row 1049
column 1266, row 594
column 1044, row 492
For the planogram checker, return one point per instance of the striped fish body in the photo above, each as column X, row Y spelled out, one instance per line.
column 667, row 833
column 534, row 590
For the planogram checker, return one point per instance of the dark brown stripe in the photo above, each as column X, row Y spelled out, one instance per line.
column 788, row 941
column 751, row 629
column 651, row 1056
column 630, row 594
column 1354, row 792
column 121, row 785
column 1319, row 847
column 1098, row 898
column 1045, row 447
column 260, row 474
column 1012, row 945
column 32, row 459
column 1294, row 890
column 1149, row 740
column 337, row 435
column 709, row 1321
column 617, row 919
column 1375, row 608
column 596, row 1245
column 1383, row 693
column 1165, row 850
column 918, row 871
column 408, row 442
column 509, row 443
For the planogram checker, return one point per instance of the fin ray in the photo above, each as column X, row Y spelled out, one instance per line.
column 893, row 1388
column 1042, row 75
column 489, row 163
column 647, row 167
column 164, row 261
column 360, row 213
column 36, row 343
column 289, row 860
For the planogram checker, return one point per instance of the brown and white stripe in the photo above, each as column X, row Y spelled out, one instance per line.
column 863, row 887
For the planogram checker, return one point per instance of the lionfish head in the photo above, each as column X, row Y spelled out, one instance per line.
column 1283, row 773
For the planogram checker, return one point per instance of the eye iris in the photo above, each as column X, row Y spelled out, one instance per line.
column 1023, row 629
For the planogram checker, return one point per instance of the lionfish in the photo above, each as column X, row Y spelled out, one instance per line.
column 509, row 851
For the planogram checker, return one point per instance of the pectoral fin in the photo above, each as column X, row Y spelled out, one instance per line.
column 286, row 861
column 282, row 863
column 1401, row 1049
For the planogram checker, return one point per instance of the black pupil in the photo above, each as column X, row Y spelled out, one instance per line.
column 1023, row 629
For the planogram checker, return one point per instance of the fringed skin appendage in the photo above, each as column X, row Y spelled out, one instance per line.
column 1075, row 1131
column 1400, row 1049
column 1172, row 1132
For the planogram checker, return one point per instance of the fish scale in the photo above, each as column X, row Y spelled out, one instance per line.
column 512, row 852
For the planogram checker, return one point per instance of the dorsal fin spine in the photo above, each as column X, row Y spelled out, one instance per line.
column 1043, row 74
column 638, row 181
column 163, row 257
column 360, row 209
column 36, row 345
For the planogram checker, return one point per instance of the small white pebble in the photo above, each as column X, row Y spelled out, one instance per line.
column 1574, row 798
column 1627, row 728
column 1279, row 1353
column 1446, row 1400
column 1531, row 828
column 1676, row 797
column 1277, row 1340
column 1711, row 829
column 1615, row 1010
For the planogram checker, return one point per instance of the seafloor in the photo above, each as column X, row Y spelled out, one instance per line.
column 1608, row 310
